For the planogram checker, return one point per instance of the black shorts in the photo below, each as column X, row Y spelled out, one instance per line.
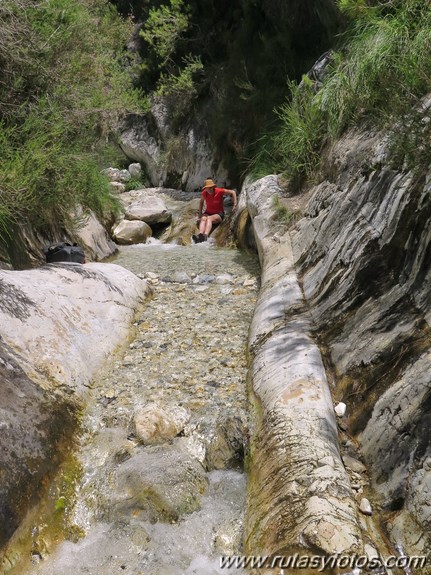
column 221, row 214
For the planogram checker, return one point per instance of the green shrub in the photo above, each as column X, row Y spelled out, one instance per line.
column 69, row 87
column 381, row 72
column 282, row 214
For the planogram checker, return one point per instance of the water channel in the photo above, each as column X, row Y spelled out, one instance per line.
column 188, row 350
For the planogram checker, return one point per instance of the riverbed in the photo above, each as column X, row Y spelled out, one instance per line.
column 188, row 350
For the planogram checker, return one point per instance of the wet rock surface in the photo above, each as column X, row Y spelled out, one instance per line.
column 163, row 508
column 32, row 423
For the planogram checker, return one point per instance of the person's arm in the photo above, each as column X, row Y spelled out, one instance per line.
column 233, row 194
column 201, row 205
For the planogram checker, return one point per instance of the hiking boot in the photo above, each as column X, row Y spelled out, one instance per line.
column 195, row 239
column 202, row 238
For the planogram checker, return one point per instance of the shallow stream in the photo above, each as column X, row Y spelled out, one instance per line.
column 188, row 350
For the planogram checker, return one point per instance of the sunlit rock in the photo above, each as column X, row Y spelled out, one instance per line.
column 131, row 232
column 158, row 423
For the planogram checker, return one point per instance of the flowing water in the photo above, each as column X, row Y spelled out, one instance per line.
column 189, row 350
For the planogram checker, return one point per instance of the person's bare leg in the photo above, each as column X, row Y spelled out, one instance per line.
column 202, row 224
column 214, row 219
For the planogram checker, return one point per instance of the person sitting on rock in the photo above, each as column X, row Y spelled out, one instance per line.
column 214, row 208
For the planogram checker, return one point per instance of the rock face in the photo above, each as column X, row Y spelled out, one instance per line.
column 58, row 324
column 362, row 251
column 300, row 499
column 183, row 161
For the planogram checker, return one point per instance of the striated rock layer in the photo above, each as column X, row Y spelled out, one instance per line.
column 300, row 499
column 363, row 253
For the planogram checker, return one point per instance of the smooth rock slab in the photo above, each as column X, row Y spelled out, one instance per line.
column 299, row 499
column 62, row 320
column 58, row 324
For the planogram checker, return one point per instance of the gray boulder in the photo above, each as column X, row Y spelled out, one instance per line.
column 129, row 232
column 94, row 239
column 135, row 170
column 148, row 208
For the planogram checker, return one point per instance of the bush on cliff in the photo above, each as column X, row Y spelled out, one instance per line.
column 65, row 81
column 380, row 73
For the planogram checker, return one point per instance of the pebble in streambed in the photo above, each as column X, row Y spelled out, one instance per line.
column 189, row 351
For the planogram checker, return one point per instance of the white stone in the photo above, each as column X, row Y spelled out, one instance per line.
column 135, row 170
column 117, row 187
column 224, row 279
column 340, row 409
column 156, row 424
column 112, row 173
column 354, row 464
column 371, row 552
column 365, row 506
column 124, row 176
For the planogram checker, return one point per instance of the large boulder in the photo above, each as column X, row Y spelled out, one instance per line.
column 58, row 324
column 128, row 232
column 93, row 238
column 148, row 208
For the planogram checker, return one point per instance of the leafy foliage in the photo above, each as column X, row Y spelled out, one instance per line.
column 63, row 88
column 163, row 28
column 381, row 71
column 229, row 60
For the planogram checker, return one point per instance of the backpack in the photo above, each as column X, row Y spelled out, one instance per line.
column 64, row 252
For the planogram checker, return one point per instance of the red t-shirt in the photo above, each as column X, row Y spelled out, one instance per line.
column 214, row 202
